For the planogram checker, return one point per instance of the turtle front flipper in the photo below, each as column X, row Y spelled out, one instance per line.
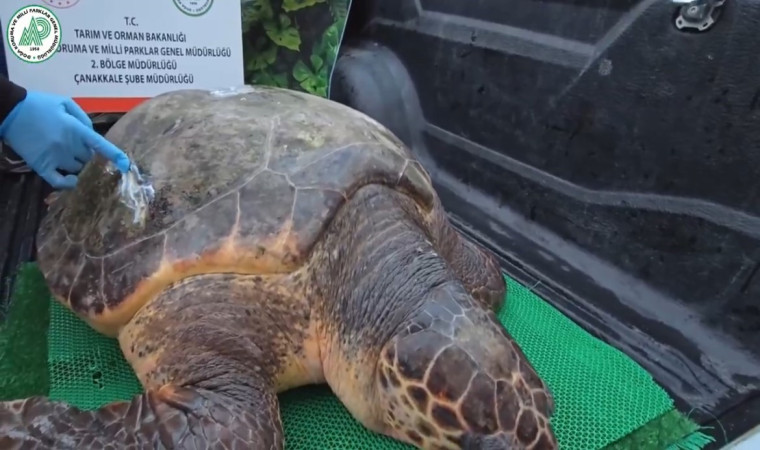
column 170, row 417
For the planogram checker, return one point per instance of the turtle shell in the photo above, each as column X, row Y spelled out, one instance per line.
column 245, row 181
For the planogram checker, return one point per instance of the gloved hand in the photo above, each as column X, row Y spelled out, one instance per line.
column 53, row 133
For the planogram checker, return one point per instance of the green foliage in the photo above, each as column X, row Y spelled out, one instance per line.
column 339, row 10
column 315, row 78
column 255, row 11
column 292, row 43
column 327, row 47
column 312, row 79
column 262, row 55
column 294, row 5
column 271, row 79
column 283, row 33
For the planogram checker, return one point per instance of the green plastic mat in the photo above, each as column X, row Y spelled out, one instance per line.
column 601, row 394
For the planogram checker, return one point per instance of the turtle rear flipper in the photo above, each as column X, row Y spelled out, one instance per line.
column 211, row 355
column 170, row 417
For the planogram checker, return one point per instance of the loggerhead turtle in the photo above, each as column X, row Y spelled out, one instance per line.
column 291, row 241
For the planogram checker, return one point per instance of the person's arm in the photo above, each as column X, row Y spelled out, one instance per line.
column 52, row 134
column 11, row 95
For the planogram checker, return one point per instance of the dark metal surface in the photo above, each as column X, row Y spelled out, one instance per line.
column 609, row 158
column 21, row 208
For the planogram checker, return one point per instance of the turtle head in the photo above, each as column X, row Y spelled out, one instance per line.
column 453, row 378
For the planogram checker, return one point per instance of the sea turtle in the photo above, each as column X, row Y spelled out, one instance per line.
column 291, row 240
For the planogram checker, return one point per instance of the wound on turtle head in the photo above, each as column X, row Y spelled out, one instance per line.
column 136, row 193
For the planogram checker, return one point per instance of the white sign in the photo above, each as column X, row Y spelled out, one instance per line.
column 111, row 49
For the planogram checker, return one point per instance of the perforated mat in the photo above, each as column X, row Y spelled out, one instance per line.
column 601, row 394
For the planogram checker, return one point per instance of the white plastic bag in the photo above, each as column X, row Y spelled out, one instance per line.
column 136, row 193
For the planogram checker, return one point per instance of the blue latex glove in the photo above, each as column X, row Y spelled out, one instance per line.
column 53, row 133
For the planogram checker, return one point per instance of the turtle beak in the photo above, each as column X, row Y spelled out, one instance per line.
column 499, row 441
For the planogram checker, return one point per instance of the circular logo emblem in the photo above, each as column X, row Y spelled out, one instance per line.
column 61, row 3
column 194, row 7
column 34, row 34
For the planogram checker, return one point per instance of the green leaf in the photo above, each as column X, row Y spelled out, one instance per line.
column 282, row 33
column 269, row 79
column 327, row 45
column 256, row 11
column 314, row 82
column 316, row 62
column 331, row 36
column 301, row 72
column 315, row 86
column 263, row 54
column 331, row 54
column 322, row 73
column 280, row 79
column 339, row 9
column 294, row 5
